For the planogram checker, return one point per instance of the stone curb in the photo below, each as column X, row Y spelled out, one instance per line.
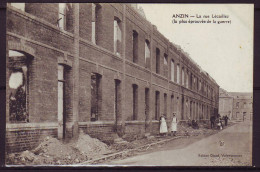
column 124, row 153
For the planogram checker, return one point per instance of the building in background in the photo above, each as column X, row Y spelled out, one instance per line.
column 225, row 103
column 236, row 105
column 242, row 106
column 100, row 68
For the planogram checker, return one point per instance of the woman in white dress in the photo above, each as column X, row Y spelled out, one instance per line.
column 163, row 126
column 174, row 124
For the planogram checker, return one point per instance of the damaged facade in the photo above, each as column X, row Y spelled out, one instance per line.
column 102, row 68
column 236, row 105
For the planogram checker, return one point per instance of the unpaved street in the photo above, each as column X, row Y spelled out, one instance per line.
column 231, row 146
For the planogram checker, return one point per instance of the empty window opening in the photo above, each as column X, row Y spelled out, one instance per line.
column 96, row 96
column 165, row 104
column 237, row 105
column 135, row 46
column 18, row 82
column 62, row 16
column 178, row 73
column 172, row 70
column 117, row 36
column 118, row 100
column 237, row 114
column 187, row 108
column 96, row 12
column 191, row 80
column 157, row 60
column 93, row 36
column 147, row 101
column 165, row 67
column 157, row 105
column 147, row 53
column 165, row 61
column 182, row 108
column 202, row 112
column 191, row 117
column 187, row 79
column 172, row 103
column 135, row 102
column 182, row 76
column 197, row 83
column 194, row 82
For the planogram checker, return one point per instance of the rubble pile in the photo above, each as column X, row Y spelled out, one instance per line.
column 203, row 128
column 52, row 151
column 91, row 147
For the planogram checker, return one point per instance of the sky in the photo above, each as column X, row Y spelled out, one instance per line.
column 224, row 51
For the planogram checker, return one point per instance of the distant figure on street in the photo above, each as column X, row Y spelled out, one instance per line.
column 194, row 124
column 174, row 124
column 163, row 126
column 212, row 121
column 226, row 120
column 219, row 123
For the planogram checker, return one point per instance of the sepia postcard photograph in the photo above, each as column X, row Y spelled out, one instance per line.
column 129, row 84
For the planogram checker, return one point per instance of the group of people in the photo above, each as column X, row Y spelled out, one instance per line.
column 218, row 121
column 214, row 120
column 163, row 125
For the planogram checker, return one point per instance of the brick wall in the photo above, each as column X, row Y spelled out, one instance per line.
column 48, row 12
column 102, row 131
column 18, row 139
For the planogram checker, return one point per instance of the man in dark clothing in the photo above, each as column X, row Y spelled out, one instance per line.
column 226, row 120
column 212, row 121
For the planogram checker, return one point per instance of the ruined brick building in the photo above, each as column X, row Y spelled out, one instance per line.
column 100, row 68
column 236, row 105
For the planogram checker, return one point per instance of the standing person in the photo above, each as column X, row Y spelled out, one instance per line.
column 163, row 126
column 219, row 124
column 174, row 124
column 212, row 121
column 226, row 120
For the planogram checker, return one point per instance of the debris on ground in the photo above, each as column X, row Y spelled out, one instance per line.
column 91, row 147
column 52, row 151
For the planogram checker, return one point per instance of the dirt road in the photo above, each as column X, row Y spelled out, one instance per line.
column 230, row 147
